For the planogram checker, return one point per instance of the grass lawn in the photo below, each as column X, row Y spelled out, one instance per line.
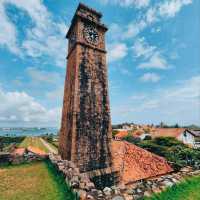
column 35, row 142
column 35, row 181
column 51, row 146
column 187, row 190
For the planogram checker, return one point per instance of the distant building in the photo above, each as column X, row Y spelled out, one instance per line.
column 194, row 137
column 121, row 133
column 143, row 136
column 128, row 126
column 188, row 137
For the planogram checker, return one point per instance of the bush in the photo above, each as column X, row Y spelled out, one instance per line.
column 114, row 133
column 131, row 139
column 7, row 142
column 178, row 154
column 148, row 137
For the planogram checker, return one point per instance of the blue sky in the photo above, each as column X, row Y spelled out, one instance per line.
column 153, row 60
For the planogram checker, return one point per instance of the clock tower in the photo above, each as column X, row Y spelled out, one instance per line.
column 85, row 134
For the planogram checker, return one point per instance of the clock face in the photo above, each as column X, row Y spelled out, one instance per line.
column 91, row 35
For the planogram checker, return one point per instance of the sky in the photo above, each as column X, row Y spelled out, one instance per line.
column 153, row 60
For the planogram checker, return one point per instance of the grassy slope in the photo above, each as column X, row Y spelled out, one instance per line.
column 52, row 146
column 187, row 190
column 35, row 142
column 32, row 181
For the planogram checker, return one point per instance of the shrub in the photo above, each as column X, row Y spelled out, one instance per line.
column 114, row 133
column 131, row 139
column 7, row 142
column 178, row 154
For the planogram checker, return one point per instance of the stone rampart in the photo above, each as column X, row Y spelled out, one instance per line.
column 81, row 183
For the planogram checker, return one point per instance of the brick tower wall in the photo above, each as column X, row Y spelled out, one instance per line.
column 85, row 134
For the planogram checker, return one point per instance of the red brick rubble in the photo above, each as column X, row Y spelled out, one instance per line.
column 135, row 163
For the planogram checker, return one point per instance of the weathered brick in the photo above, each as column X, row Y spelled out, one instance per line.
column 85, row 134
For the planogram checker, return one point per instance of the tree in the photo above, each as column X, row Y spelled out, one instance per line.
column 1, row 144
column 176, row 126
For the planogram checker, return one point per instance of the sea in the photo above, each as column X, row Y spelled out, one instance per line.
column 27, row 131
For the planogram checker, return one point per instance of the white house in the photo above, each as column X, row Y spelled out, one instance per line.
column 191, row 137
column 188, row 137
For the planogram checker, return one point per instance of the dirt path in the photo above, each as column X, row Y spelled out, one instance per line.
column 2, row 171
column 48, row 146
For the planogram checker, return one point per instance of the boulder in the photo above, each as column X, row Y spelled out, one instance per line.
column 168, row 183
column 89, row 186
column 122, row 187
column 90, row 197
column 107, row 191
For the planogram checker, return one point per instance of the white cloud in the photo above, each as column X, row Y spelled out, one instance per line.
column 40, row 76
column 117, row 51
column 176, row 104
column 150, row 77
column 160, row 11
column 183, row 96
column 152, row 56
column 45, row 38
column 19, row 107
column 8, row 33
column 172, row 7
column 142, row 49
column 134, row 28
column 187, row 90
column 151, row 15
column 126, row 3
column 56, row 95
column 156, row 61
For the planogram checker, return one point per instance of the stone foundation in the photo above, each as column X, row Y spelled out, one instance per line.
column 147, row 187
column 83, row 184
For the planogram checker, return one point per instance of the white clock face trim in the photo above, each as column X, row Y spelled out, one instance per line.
column 90, row 34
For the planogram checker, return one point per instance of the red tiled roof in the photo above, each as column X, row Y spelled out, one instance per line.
column 36, row 151
column 121, row 134
column 167, row 132
column 137, row 133
column 19, row 151
column 135, row 163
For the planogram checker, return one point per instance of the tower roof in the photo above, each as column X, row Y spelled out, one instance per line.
column 78, row 14
column 83, row 6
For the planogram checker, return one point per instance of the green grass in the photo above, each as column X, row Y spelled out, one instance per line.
column 35, row 181
column 35, row 142
column 55, row 144
column 52, row 146
column 187, row 190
